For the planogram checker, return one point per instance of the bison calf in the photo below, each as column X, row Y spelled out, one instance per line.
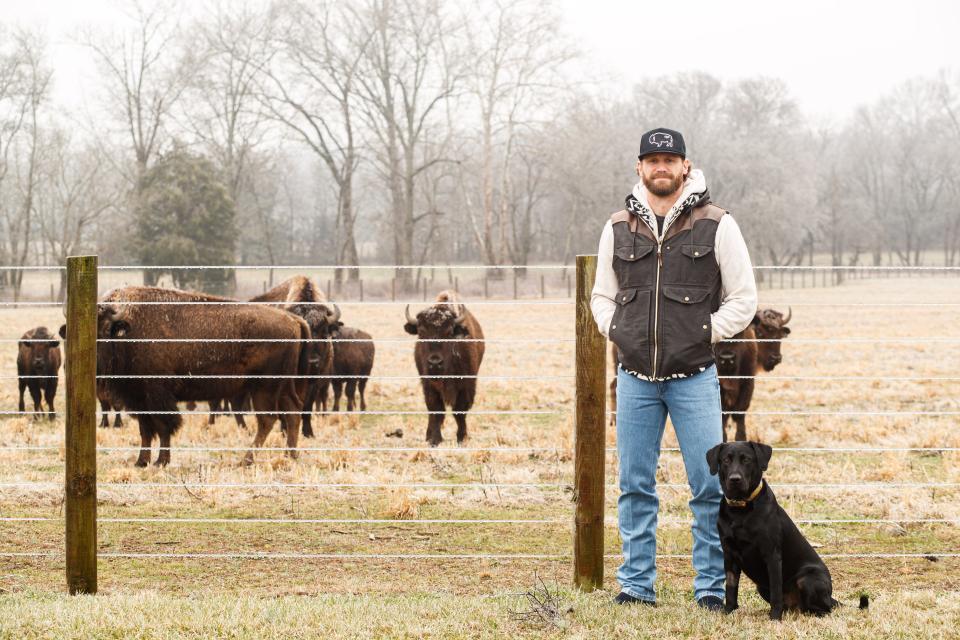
column 38, row 355
column 741, row 361
column 448, row 353
column 353, row 352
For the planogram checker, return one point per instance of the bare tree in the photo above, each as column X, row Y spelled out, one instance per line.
column 517, row 61
column 144, row 75
column 33, row 79
column 77, row 186
column 411, row 68
column 313, row 91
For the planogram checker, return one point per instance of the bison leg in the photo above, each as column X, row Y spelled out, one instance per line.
column 117, row 422
column 264, row 402
column 460, row 407
column 147, row 431
column 434, row 402
column 337, row 391
column 351, row 389
column 215, row 408
column 49, row 394
column 163, row 456
column 363, row 400
column 743, row 403
column 309, row 401
column 723, row 426
column 105, row 418
column 23, row 387
column 290, row 404
column 36, row 394
column 237, row 406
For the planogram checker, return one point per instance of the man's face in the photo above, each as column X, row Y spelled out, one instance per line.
column 663, row 173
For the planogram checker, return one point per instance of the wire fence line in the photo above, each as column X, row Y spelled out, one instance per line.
column 610, row 522
column 563, row 486
column 192, row 376
column 270, row 555
column 468, row 450
column 490, row 412
column 495, row 267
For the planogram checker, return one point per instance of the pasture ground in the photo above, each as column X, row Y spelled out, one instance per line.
column 444, row 598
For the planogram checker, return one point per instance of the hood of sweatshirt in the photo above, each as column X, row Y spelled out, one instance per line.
column 694, row 191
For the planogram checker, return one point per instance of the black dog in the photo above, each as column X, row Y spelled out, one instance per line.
column 759, row 538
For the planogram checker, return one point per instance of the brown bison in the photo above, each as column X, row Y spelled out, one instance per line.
column 285, row 351
column 743, row 359
column 300, row 296
column 106, row 404
column 446, row 334
column 352, row 363
column 38, row 354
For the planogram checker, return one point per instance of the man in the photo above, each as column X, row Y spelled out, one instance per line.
column 673, row 278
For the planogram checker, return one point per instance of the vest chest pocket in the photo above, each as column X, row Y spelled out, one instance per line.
column 630, row 253
column 634, row 265
column 686, row 315
column 630, row 327
column 698, row 264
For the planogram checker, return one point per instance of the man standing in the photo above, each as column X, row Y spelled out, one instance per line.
column 673, row 278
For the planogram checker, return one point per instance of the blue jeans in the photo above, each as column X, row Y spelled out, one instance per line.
column 694, row 407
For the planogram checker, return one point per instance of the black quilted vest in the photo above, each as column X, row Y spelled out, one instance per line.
column 662, row 323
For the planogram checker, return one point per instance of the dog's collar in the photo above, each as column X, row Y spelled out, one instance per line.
column 750, row 498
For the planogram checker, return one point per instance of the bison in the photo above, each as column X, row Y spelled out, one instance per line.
column 449, row 343
column 742, row 359
column 300, row 296
column 352, row 363
column 38, row 354
column 106, row 404
column 275, row 344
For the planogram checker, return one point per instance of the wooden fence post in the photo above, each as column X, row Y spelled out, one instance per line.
column 590, row 444
column 80, row 488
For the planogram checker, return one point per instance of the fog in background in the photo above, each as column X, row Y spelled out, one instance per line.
column 417, row 131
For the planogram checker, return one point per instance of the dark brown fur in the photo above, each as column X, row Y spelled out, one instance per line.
column 202, row 322
column 38, row 354
column 745, row 359
column 323, row 320
column 456, row 357
column 350, row 359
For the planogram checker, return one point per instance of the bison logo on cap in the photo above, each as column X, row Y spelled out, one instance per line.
column 661, row 139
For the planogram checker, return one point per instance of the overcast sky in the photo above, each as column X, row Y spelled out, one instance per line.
column 834, row 55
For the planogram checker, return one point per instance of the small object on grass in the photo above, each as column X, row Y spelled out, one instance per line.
column 931, row 558
column 545, row 607
column 396, row 433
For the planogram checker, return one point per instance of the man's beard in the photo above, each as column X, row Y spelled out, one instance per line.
column 662, row 188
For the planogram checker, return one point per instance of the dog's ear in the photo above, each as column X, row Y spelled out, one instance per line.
column 63, row 331
column 713, row 459
column 763, row 453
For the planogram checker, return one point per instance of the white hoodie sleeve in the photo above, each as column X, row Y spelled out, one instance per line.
column 738, row 302
column 605, row 287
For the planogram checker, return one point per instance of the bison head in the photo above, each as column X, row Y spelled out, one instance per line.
column 770, row 325
column 324, row 323
column 35, row 349
column 435, row 323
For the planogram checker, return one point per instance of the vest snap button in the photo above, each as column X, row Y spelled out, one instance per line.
column 624, row 298
column 631, row 255
column 614, row 327
column 704, row 326
column 696, row 253
column 686, row 298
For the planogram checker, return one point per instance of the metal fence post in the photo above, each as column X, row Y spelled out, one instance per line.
column 590, row 445
column 81, row 429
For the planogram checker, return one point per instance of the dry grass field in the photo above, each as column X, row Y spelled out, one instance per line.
column 503, row 480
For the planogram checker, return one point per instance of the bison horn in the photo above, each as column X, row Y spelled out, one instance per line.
column 336, row 314
column 409, row 319
column 787, row 319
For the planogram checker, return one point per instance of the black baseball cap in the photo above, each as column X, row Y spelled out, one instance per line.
column 662, row 141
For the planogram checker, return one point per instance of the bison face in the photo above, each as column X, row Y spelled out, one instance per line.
column 770, row 325
column 35, row 351
column 432, row 325
column 324, row 323
column 726, row 359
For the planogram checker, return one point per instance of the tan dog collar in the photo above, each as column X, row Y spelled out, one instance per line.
column 750, row 498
